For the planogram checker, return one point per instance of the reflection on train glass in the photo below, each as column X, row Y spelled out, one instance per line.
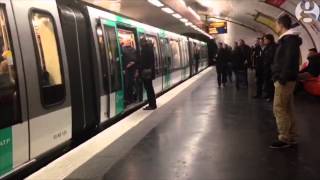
column 175, row 54
column 9, row 102
column 49, row 63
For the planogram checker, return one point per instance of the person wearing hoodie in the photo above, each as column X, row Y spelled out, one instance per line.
column 285, row 71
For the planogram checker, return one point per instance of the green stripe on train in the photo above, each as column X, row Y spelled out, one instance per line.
column 6, row 155
column 119, row 101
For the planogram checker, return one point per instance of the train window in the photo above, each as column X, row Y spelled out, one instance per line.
column 48, row 59
column 9, row 93
column 154, row 41
column 176, row 54
column 109, row 51
column 166, row 54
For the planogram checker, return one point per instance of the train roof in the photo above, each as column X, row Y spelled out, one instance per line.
column 141, row 27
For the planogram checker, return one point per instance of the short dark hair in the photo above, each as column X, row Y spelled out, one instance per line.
column 270, row 37
column 285, row 20
column 314, row 50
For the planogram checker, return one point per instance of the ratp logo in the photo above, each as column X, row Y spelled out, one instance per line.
column 307, row 11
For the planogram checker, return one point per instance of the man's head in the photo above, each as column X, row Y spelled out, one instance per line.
column 261, row 42
column 312, row 52
column 236, row 44
column 283, row 24
column 268, row 39
column 242, row 42
column 220, row 45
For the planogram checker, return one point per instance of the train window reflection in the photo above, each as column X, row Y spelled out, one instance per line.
column 9, row 101
column 49, row 62
column 166, row 55
column 109, row 53
column 175, row 54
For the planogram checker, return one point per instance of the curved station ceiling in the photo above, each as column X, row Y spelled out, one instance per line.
column 246, row 19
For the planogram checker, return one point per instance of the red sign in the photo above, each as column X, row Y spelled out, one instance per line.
column 277, row 3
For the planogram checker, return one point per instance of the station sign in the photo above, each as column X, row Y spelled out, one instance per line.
column 218, row 28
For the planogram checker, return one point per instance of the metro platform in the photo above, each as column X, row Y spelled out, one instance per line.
column 199, row 132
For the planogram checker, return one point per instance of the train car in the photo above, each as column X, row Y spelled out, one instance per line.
column 67, row 72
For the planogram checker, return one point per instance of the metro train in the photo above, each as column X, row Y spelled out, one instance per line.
column 62, row 73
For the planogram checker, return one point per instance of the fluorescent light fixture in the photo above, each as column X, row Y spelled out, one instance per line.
column 184, row 20
column 194, row 13
column 156, row 3
column 182, row 2
column 167, row 10
column 176, row 15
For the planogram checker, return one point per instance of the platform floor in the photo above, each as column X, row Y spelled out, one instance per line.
column 207, row 133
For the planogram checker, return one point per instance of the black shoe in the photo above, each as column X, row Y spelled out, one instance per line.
column 269, row 100
column 279, row 145
column 148, row 108
column 256, row 97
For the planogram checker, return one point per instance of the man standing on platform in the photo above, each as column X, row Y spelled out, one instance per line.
column 148, row 72
column 285, row 71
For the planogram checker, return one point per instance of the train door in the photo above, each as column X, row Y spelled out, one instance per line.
column 14, row 136
column 112, row 99
column 167, row 62
column 133, row 86
column 176, row 63
column 46, row 70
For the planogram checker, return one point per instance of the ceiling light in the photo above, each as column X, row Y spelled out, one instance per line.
column 156, row 3
column 184, row 20
column 167, row 10
column 194, row 13
column 188, row 23
column 176, row 15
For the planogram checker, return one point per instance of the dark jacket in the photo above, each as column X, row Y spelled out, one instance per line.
column 286, row 60
column 267, row 58
column 237, row 59
column 147, row 58
column 222, row 59
column 257, row 59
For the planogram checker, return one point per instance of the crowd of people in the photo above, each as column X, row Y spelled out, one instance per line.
column 277, row 74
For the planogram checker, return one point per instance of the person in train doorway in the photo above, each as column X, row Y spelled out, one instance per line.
column 221, row 65
column 285, row 71
column 129, row 59
column 267, row 56
column 258, row 62
column 245, row 55
column 147, row 69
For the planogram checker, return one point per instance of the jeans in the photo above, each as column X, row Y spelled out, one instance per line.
column 150, row 92
column 283, row 111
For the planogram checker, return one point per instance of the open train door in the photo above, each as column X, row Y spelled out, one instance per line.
column 112, row 101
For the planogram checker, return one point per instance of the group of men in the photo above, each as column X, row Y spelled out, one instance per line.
column 139, row 67
column 277, row 73
column 235, row 60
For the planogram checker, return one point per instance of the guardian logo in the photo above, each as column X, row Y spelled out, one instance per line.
column 307, row 11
